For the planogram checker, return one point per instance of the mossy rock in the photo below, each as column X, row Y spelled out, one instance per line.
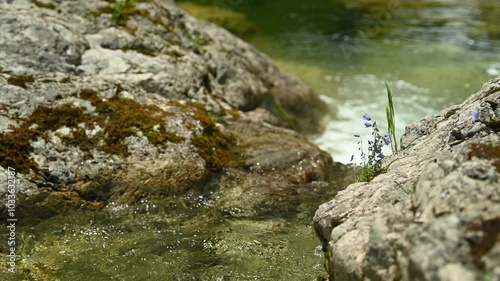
column 217, row 148
column 236, row 22
column 486, row 151
column 119, row 118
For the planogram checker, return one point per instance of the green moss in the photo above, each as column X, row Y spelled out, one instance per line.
column 121, row 11
column 486, row 151
column 50, row 119
column 43, row 5
column 15, row 148
column 121, row 118
column 118, row 117
column 216, row 148
column 21, row 80
column 66, row 79
column 90, row 95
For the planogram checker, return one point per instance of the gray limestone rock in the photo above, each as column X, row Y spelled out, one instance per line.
column 94, row 111
column 435, row 215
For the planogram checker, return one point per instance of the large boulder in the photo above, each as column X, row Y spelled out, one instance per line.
column 106, row 103
column 435, row 215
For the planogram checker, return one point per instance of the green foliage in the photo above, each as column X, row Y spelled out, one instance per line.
column 367, row 173
column 391, row 120
column 371, row 165
column 122, row 10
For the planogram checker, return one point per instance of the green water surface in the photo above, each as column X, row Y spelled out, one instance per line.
column 433, row 53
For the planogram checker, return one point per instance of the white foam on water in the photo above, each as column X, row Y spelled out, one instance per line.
column 366, row 94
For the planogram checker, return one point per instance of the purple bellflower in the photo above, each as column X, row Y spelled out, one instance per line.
column 475, row 115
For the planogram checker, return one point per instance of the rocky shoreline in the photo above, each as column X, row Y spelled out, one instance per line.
column 103, row 107
column 435, row 215
column 97, row 110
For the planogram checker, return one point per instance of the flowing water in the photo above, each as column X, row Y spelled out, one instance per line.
column 238, row 234
column 432, row 53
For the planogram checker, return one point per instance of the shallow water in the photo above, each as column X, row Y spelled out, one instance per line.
column 236, row 234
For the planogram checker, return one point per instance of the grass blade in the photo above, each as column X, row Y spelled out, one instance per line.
column 391, row 120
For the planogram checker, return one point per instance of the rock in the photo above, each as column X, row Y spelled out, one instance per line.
column 103, row 106
column 435, row 214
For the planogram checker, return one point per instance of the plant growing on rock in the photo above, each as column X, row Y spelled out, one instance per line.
column 371, row 162
column 391, row 120
column 122, row 10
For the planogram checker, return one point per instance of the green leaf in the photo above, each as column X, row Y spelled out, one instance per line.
column 391, row 120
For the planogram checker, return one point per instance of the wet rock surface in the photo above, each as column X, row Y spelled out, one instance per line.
column 435, row 214
column 96, row 108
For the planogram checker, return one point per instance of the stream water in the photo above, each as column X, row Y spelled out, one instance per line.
column 432, row 53
column 202, row 235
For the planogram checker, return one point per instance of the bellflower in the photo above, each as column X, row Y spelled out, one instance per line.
column 475, row 115
column 372, row 160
